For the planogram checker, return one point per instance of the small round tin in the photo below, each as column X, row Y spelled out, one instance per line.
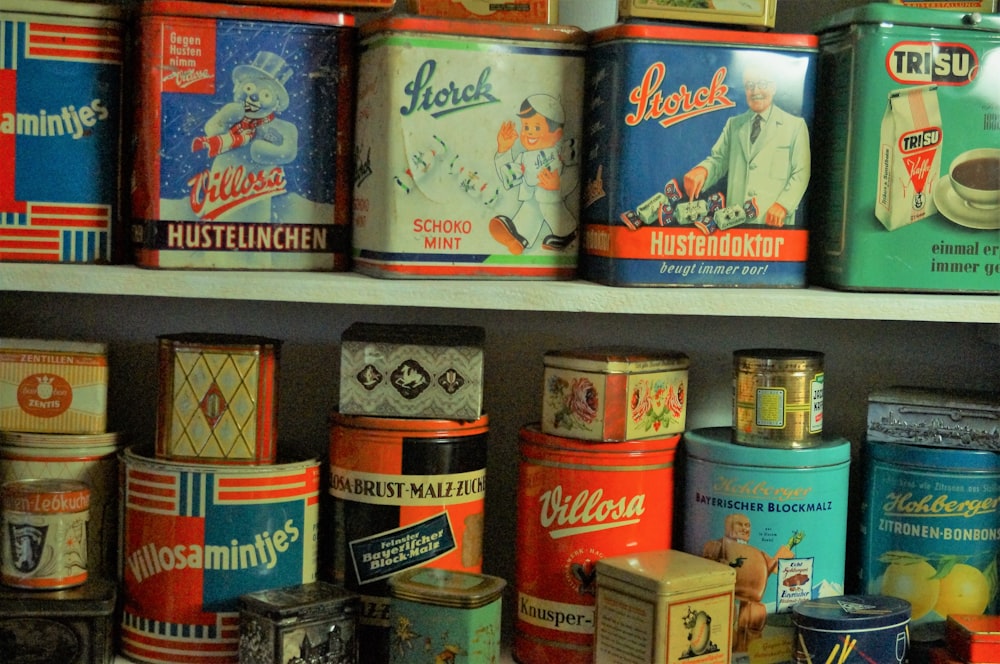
column 44, row 533
column 851, row 629
column 777, row 397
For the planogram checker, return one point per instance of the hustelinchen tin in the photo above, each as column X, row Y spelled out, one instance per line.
column 778, row 397
column 852, row 629
column 243, row 137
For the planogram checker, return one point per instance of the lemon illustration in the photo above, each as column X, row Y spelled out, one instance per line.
column 963, row 590
column 914, row 582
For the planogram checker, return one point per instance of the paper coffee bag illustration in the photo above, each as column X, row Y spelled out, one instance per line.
column 910, row 156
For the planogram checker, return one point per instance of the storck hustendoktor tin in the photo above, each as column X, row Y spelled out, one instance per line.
column 60, row 131
column 243, row 125
column 468, row 149
column 698, row 156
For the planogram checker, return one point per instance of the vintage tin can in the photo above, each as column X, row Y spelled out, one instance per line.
column 663, row 606
column 451, row 614
column 778, row 397
column 69, row 626
column 614, row 393
column 756, row 14
column 973, row 638
column 405, row 493
column 852, row 629
column 309, row 622
column 930, row 530
column 579, row 502
column 783, row 512
column 243, row 126
column 935, row 417
column 419, row 371
column 44, row 533
column 218, row 398
column 909, row 94
column 459, row 124
column 61, row 72
column 950, row 5
column 526, row 11
column 676, row 193
column 53, row 386
column 196, row 537
column 92, row 459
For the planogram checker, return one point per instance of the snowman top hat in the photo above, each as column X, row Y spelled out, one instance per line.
column 271, row 66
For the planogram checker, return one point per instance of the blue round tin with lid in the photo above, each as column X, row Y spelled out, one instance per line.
column 869, row 629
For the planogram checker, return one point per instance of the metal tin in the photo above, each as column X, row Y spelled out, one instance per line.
column 663, row 606
column 577, row 503
column 243, row 126
column 931, row 530
column 935, row 417
column 448, row 172
column 70, row 626
column 852, row 629
column 61, row 72
column 783, row 512
column 451, row 614
column 778, row 397
column 405, row 493
column 92, row 459
column 942, row 66
column 527, row 11
column 311, row 622
column 614, row 393
column 53, row 386
column 951, row 5
column 973, row 638
column 675, row 193
column 44, row 534
column 756, row 14
column 198, row 536
column 218, row 398
column 420, row 371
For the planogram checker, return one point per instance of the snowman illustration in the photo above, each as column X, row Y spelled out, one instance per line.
column 248, row 142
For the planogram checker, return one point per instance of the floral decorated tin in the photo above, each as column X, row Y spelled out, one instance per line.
column 614, row 393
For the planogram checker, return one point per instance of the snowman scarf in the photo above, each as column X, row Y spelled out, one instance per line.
column 237, row 136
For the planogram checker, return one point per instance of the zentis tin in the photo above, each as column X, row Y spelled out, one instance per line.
column 777, row 397
column 579, row 502
column 243, row 134
column 615, row 393
column 60, row 131
column 699, row 157
column 852, row 629
column 468, row 149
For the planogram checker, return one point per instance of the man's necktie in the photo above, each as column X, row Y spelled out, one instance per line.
column 755, row 129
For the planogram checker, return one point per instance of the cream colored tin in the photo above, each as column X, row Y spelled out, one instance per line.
column 778, row 397
column 758, row 13
column 664, row 607
column 50, row 386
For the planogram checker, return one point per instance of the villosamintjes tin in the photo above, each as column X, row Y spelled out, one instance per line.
column 61, row 73
column 468, row 142
column 405, row 493
column 778, row 397
column 930, row 530
column 218, row 398
column 851, row 629
column 935, row 417
column 308, row 622
column 44, row 533
column 779, row 516
column 244, row 118
column 579, row 502
column 445, row 615
column 196, row 537
column 614, row 393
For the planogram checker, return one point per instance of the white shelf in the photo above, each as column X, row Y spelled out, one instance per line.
column 511, row 295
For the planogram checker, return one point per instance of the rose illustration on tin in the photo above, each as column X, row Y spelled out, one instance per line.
column 573, row 403
column 656, row 405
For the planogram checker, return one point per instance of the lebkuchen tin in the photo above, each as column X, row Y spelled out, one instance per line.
column 468, row 142
column 243, row 137
column 935, row 417
column 61, row 131
column 579, row 502
column 852, row 629
column 680, row 188
column 755, row 13
column 778, row 397
column 218, row 398
column 44, row 533
column 614, row 393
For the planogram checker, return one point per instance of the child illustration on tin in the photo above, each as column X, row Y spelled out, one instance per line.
column 545, row 172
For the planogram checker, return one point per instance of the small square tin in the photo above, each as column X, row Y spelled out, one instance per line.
column 614, row 393
column 524, row 11
column 758, row 13
column 312, row 622
column 935, row 417
column 973, row 638
column 73, row 626
column 425, row 371
column 53, row 386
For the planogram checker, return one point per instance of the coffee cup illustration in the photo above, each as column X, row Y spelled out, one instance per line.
column 975, row 177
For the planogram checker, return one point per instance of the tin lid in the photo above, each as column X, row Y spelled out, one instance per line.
column 985, row 628
column 666, row 571
column 59, row 441
column 451, row 27
column 54, row 346
column 244, row 12
column 96, row 597
column 715, row 444
column 887, row 15
column 666, row 31
column 301, row 600
column 537, row 444
column 441, row 587
column 93, row 10
column 616, row 359
column 851, row 612
column 46, row 496
column 233, row 341
column 777, row 359
column 413, row 426
column 938, row 458
column 944, row 398
column 421, row 335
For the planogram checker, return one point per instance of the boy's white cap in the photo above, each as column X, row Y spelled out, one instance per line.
column 548, row 106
